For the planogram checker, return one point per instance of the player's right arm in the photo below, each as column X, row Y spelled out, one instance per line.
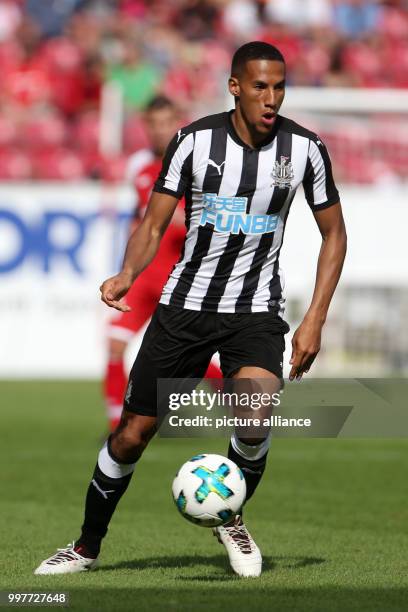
column 141, row 248
column 143, row 244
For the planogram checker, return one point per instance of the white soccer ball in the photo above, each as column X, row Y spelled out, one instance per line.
column 209, row 490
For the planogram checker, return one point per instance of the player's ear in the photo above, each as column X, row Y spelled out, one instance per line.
column 233, row 86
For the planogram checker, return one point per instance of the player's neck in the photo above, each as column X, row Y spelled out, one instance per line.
column 248, row 136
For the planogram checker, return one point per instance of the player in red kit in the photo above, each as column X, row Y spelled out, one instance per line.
column 161, row 119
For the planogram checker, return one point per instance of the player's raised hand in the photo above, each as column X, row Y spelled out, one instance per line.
column 305, row 346
column 114, row 289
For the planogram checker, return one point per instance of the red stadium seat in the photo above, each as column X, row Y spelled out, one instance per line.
column 62, row 55
column 110, row 169
column 86, row 132
column 113, row 168
column 134, row 136
column 15, row 165
column 48, row 131
column 59, row 164
column 8, row 132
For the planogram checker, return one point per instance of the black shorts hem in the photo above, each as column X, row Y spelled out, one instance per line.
column 141, row 412
column 252, row 363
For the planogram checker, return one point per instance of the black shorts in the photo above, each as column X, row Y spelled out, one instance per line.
column 180, row 343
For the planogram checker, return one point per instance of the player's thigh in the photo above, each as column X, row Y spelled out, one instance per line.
column 253, row 343
column 174, row 347
column 251, row 359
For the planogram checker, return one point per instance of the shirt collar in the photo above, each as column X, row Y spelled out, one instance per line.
column 268, row 139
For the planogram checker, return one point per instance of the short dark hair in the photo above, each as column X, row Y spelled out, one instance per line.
column 254, row 51
column 158, row 103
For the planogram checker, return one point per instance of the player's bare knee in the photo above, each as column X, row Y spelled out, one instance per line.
column 132, row 436
column 126, row 446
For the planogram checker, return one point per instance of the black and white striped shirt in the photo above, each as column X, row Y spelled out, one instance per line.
column 237, row 202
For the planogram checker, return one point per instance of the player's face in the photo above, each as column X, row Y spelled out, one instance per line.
column 260, row 89
column 161, row 126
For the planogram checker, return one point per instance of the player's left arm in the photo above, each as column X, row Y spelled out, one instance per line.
column 307, row 338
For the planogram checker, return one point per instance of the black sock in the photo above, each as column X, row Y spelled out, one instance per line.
column 252, row 469
column 102, row 498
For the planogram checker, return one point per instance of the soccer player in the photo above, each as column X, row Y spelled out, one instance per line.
column 238, row 172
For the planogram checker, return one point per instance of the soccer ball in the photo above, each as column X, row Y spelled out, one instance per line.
column 209, row 490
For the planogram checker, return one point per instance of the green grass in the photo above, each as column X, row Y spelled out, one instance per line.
column 331, row 517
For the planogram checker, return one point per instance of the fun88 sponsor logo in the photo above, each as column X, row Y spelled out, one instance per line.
column 228, row 215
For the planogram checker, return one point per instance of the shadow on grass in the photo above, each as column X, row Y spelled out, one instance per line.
column 221, row 561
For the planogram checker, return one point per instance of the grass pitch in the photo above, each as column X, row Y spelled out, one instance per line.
column 331, row 517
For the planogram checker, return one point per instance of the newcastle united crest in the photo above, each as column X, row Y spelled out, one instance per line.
column 282, row 173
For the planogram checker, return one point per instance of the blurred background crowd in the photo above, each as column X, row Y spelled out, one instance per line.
column 76, row 77
column 57, row 55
